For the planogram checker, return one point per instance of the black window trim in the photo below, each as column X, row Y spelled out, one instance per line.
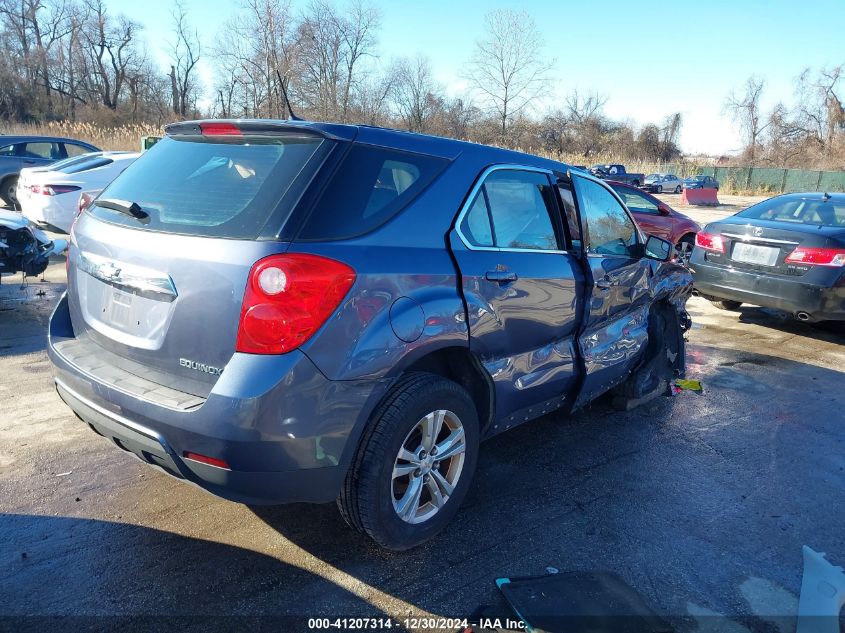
column 585, row 229
column 478, row 186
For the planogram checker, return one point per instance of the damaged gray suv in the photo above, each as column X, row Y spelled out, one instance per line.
column 291, row 311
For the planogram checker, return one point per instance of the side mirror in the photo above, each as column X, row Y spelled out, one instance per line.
column 659, row 249
column 662, row 209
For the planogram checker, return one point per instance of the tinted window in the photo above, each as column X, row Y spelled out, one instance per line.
column 41, row 150
column 571, row 216
column 212, row 186
column 609, row 228
column 476, row 223
column 63, row 164
column 636, row 202
column 371, row 186
column 86, row 165
column 519, row 204
column 7, row 150
column 798, row 211
column 75, row 150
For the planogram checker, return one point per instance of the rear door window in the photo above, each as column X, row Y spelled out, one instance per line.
column 371, row 186
column 214, row 186
column 519, row 206
column 49, row 151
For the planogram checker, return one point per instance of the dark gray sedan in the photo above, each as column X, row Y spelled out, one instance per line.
column 17, row 152
column 700, row 182
column 787, row 252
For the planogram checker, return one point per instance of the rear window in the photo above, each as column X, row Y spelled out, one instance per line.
column 212, row 186
column 370, row 187
column 798, row 211
column 86, row 165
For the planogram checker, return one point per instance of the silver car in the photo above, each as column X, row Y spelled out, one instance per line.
column 658, row 183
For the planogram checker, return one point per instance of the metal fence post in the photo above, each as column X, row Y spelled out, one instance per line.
column 783, row 181
column 819, row 181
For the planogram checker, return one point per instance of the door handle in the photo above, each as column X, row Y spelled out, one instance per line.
column 500, row 276
column 604, row 283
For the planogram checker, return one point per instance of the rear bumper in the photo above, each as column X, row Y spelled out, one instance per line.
column 48, row 210
column 287, row 433
column 790, row 294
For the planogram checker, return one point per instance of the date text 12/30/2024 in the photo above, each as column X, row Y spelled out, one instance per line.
column 411, row 623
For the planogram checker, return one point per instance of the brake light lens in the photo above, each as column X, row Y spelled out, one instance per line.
column 52, row 190
column 287, row 299
column 710, row 242
column 817, row 256
column 220, row 129
column 85, row 200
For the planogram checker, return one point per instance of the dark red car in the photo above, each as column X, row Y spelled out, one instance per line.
column 658, row 218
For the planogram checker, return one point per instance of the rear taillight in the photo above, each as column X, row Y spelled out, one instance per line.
column 710, row 242
column 85, row 200
column 817, row 256
column 52, row 190
column 287, row 299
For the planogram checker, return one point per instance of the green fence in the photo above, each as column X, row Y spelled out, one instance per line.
column 762, row 179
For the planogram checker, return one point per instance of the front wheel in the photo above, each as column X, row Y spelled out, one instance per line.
column 659, row 188
column 415, row 463
column 683, row 249
column 678, row 189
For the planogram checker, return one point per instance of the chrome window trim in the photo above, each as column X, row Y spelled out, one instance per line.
column 471, row 198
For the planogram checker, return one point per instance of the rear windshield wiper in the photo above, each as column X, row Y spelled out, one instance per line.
column 132, row 209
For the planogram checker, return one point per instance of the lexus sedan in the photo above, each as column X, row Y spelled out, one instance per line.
column 787, row 253
column 658, row 183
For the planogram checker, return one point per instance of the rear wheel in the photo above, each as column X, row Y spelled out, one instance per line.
column 636, row 183
column 726, row 304
column 415, row 463
column 8, row 192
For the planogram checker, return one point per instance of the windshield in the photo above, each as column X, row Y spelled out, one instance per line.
column 695, row 179
column 817, row 211
column 654, row 177
column 211, row 186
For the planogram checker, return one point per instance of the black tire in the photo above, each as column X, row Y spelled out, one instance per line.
column 636, row 183
column 659, row 188
column 683, row 248
column 678, row 189
column 366, row 500
column 7, row 192
column 726, row 304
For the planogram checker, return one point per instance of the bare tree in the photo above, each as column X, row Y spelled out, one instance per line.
column 184, row 54
column 508, row 70
column 745, row 111
column 417, row 95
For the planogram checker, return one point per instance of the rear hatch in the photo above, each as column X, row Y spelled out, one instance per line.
column 158, row 290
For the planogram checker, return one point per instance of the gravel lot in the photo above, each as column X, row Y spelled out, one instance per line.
column 701, row 503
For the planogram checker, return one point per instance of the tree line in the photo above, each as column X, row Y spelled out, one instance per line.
column 809, row 133
column 78, row 60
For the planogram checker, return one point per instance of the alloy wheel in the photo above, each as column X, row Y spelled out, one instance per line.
column 683, row 251
column 428, row 466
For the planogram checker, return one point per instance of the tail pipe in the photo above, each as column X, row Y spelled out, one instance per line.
column 803, row 316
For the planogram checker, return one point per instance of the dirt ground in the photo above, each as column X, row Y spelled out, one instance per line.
column 701, row 503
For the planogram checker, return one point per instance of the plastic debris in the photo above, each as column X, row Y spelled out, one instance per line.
column 688, row 385
column 822, row 595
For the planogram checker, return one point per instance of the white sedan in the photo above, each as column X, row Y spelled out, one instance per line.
column 49, row 195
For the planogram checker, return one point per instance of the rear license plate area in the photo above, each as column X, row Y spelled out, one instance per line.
column 119, row 309
column 755, row 254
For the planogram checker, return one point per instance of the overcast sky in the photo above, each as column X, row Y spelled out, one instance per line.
column 649, row 61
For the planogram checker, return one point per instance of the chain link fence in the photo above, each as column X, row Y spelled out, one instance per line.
column 758, row 179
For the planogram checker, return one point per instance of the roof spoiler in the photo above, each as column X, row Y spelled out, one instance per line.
column 264, row 127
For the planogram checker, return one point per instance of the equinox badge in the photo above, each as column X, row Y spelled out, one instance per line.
column 208, row 369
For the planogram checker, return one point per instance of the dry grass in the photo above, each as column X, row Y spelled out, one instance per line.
column 123, row 137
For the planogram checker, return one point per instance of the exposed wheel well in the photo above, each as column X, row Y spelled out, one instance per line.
column 687, row 235
column 461, row 366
